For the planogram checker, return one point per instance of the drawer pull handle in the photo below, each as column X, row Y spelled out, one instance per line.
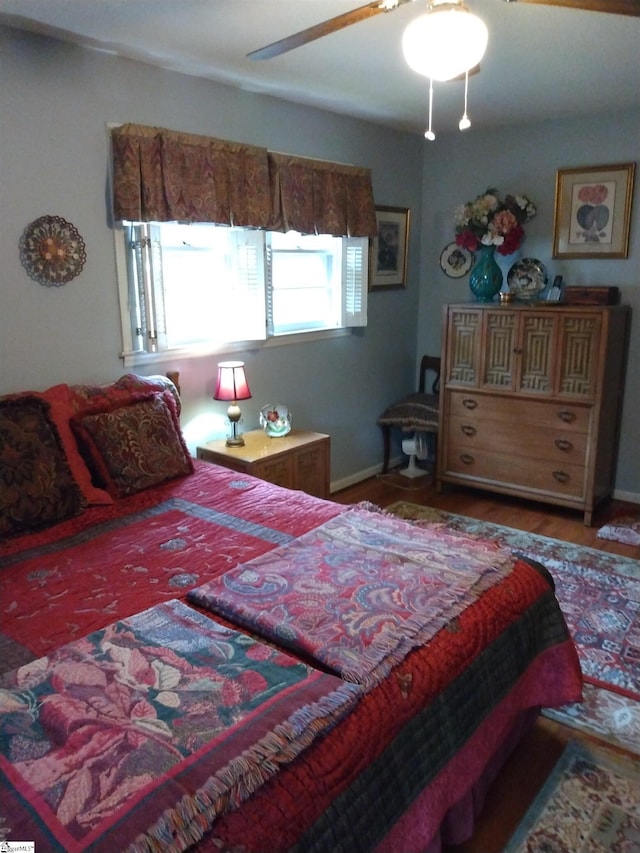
column 467, row 429
column 561, row 476
column 563, row 444
column 470, row 404
column 566, row 416
column 467, row 459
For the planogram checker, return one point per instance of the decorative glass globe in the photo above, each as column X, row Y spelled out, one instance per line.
column 275, row 420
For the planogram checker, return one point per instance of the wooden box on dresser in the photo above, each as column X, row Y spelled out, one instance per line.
column 531, row 400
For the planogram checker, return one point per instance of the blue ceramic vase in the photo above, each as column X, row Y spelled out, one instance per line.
column 485, row 279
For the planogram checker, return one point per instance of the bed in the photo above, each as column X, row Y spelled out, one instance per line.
column 195, row 659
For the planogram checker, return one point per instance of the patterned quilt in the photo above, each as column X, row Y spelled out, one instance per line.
column 356, row 594
column 138, row 736
column 60, row 584
column 108, row 721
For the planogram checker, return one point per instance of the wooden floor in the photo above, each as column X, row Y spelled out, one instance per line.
column 532, row 761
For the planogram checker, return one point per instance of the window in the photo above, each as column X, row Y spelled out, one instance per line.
column 198, row 287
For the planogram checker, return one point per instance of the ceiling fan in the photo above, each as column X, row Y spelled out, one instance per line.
column 361, row 13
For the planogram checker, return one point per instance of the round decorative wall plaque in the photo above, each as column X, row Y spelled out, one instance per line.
column 51, row 250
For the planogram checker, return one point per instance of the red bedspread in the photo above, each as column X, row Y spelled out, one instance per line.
column 423, row 735
column 114, row 561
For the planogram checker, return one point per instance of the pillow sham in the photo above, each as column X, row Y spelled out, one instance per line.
column 59, row 398
column 123, row 390
column 37, row 488
column 135, row 445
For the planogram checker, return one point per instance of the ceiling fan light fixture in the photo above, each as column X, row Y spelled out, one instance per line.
column 445, row 41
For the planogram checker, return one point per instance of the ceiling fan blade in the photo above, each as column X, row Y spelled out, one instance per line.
column 323, row 29
column 616, row 7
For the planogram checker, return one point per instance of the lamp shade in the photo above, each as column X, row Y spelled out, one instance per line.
column 232, row 384
column 445, row 42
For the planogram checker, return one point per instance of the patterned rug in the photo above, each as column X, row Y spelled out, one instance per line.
column 589, row 804
column 599, row 594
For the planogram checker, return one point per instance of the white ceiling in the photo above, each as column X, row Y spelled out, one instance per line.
column 542, row 62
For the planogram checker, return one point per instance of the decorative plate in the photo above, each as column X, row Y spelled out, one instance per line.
column 52, row 251
column 527, row 278
column 456, row 261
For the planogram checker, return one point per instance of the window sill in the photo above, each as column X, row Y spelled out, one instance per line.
column 139, row 359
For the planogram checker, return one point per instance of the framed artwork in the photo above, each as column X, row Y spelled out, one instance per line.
column 593, row 211
column 389, row 249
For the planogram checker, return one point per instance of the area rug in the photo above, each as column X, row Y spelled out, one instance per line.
column 589, row 804
column 625, row 529
column 600, row 596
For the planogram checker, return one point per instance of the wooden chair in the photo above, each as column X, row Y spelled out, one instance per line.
column 416, row 412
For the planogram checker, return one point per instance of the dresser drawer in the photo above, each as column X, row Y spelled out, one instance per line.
column 495, row 468
column 522, row 412
column 513, row 438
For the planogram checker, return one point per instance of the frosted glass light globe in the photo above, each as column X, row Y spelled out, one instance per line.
column 445, row 42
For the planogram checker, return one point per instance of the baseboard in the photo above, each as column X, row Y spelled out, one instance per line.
column 628, row 497
column 359, row 476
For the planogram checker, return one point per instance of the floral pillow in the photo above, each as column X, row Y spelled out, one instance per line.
column 37, row 488
column 135, row 445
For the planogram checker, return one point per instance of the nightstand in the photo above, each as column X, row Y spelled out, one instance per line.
column 299, row 460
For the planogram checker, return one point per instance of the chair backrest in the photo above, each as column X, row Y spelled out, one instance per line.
column 430, row 362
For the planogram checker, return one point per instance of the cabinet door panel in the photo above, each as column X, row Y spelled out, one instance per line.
column 311, row 470
column 537, row 349
column 278, row 470
column 499, row 350
column 463, row 358
column 579, row 349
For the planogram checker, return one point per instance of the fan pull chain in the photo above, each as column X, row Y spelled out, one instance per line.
column 465, row 121
column 429, row 134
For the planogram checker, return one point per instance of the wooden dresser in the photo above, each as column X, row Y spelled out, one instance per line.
column 299, row 460
column 531, row 400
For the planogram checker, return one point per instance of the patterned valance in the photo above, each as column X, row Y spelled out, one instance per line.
column 164, row 175
column 317, row 197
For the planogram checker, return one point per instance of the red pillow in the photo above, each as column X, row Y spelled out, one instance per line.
column 135, row 445
column 59, row 399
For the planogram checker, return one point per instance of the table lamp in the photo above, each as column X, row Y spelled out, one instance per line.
column 232, row 386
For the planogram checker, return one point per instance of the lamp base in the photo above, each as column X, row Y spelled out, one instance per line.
column 235, row 441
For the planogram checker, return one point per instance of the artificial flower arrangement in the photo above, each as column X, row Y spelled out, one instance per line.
column 489, row 220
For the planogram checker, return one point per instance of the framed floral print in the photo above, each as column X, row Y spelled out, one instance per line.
column 389, row 249
column 593, row 211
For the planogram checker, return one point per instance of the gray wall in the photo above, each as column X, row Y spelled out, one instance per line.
column 525, row 159
column 55, row 103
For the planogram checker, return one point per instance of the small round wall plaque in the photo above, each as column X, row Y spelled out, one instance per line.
column 52, row 252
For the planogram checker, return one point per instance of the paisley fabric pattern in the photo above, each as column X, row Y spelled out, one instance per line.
column 597, row 591
column 37, row 488
column 359, row 592
column 166, row 713
column 100, row 397
column 162, row 175
column 136, row 446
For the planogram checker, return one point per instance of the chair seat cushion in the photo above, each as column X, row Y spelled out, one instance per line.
column 416, row 411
